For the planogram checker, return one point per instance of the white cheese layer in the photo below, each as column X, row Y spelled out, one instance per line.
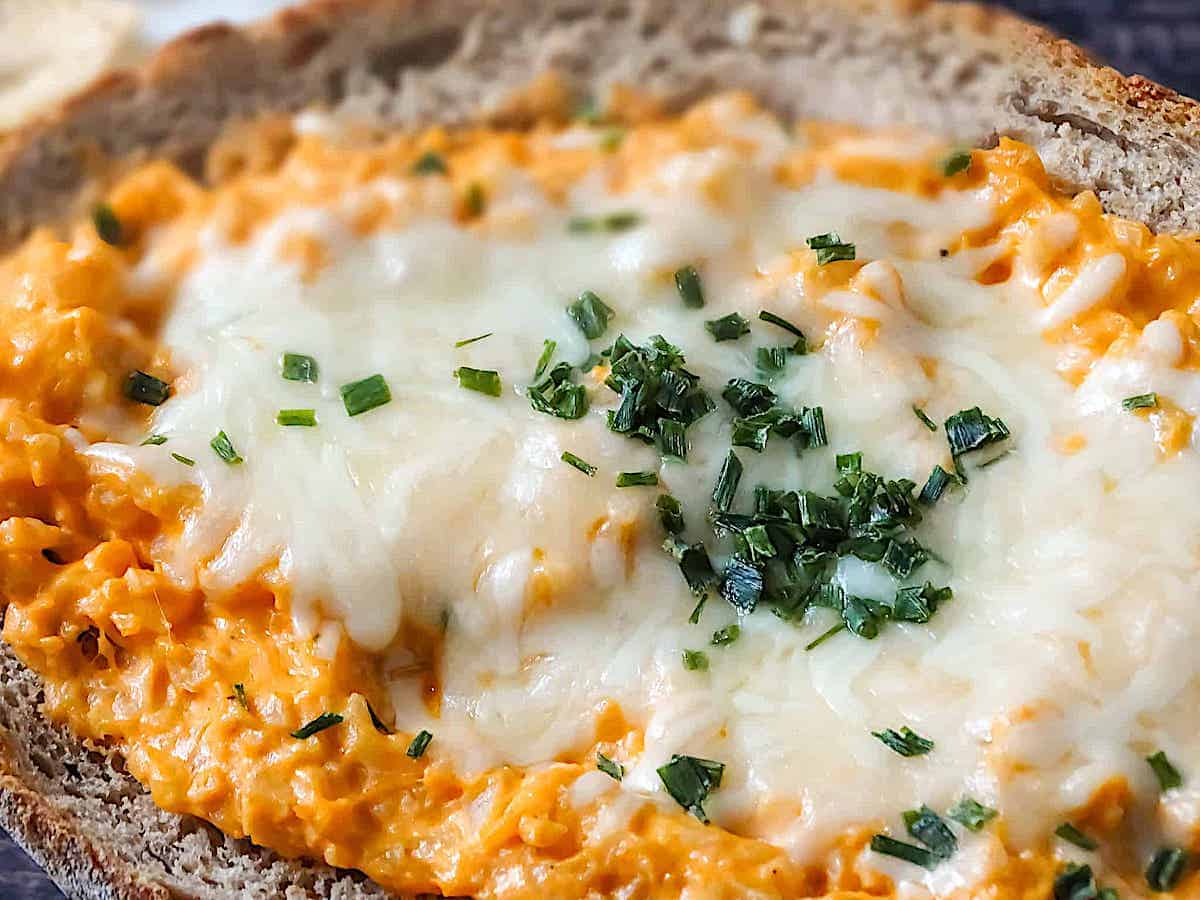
column 1064, row 658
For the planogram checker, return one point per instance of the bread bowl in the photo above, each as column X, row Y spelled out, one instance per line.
column 961, row 73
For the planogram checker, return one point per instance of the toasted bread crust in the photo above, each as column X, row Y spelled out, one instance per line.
column 971, row 72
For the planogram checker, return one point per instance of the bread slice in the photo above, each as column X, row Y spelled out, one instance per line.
column 961, row 70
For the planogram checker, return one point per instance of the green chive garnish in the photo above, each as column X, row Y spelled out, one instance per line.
column 612, row 223
column 302, row 417
column 905, row 742
column 609, row 767
column 376, row 721
column 1168, row 776
column 430, row 163
column 971, row 814
column 637, row 479
column 956, row 162
column 298, row 367
column 591, row 314
column 929, row 828
column 320, row 723
column 108, row 226
column 670, row 513
column 1166, row 869
column 925, row 420
column 918, row 856
column 582, row 465
column 419, row 744
column 223, row 447
column 1073, row 835
column 142, row 387
column 824, row 636
column 548, row 348
column 727, row 482
column 1141, row 401
column 155, row 440
column 363, row 396
column 479, row 337
column 935, row 486
column 186, row 460
column 800, row 347
column 722, row 637
column 689, row 780
column 687, row 282
column 695, row 660
column 727, row 328
column 831, row 248
column 484, row 381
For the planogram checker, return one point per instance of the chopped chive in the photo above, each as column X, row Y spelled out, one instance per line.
column 1075, row 882
column 670, row 513
column 483, row 381
column 956, row 162
column 548, row 348
column 727, row 482
column 925, row 420
column 687, row 282
column 918, row 856
column 905, row 742
column 154, row 440
column 430, row 163
column 812, row 425
column 419, row 744
column 365, row 395
column 1166, row 869
column 971, row 814
column 695, row 660
column 572, row 460
column 239, row 694
column 1073, row 835
column 319, row 724
column 186, row 460
column 298, row 367
column 743, row 585
column 694, row 563
column 970, row 429
column 824, row 636
column 475, row 200
column 749, row 398
column 929, row 828
column 480, row 337
column 637, row 479
column 800, row 346
column 1141, row 401
column 223, row 447
column 591, row 314
column 689, row 780
column 1168, row 776
column 830, row 248
column 612, row 223
column 610, row 767
column 723, row 637
column 771, row 360
column 142, row 387
column 376, row 721
column 306, row 418
column 672, row 439
column 935, row 486
column 108, row 226
column 727, row 328
column 694, row 618
column 749, row 433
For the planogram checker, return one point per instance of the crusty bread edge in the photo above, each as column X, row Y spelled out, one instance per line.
column 85, row 868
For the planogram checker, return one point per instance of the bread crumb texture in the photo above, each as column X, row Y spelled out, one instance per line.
column 201, row 689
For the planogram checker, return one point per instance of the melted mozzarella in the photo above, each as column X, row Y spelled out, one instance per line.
column 1064, row 657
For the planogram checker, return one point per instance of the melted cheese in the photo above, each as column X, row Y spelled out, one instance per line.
column 436, row 553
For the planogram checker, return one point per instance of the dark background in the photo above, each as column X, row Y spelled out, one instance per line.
column 1156, row 38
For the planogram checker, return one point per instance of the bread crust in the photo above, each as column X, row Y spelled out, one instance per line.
column 971, row 71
